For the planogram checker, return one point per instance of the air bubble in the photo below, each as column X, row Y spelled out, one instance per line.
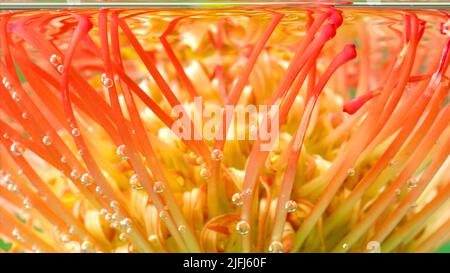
column 6, row 84
column 236, row 199
column 72, row 230
column 16, row 234
column 152, row 238
column 163, row 215
column 75, row 174
column 26, row 203
column 17, row 149
column 217, row 154
column 158, row 187
column 75, row 132
column 122, row 152
column 65, row 238
column 15, row 97
column 86, row 246
column 182, row 229
column 123, row 237
column 125, row 223
column 108, row 217
column 114, row 205
column 412, row 183
column 47, row 140
column 86, row 179
column 115, row 225
column 290, row 206
column 205, row 173
column 135, row 182
column 114, row 216
column 55, row 59
column 60, row 68
column 107, row 82
column 276, row 247
column 35, row 249
column 373, row 247
column 243, row 227
column 351, row 172
column 199, row 160
column 248, row 192
column 99, row 190
column 12, row 187
column 7, row 179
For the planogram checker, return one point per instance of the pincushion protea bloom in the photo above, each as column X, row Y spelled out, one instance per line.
column 100, row 113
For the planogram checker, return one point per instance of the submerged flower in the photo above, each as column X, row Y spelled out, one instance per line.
column 121, row 130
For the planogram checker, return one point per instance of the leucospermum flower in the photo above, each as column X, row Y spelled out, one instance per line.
column 120, row 130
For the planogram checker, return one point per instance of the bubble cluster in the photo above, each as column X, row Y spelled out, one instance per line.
column 6, row 84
